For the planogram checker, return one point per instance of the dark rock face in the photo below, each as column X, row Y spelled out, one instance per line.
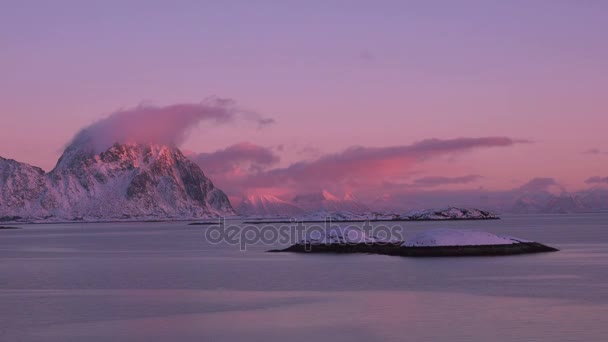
column 127, row 181
column 397, row 249
column 138, row 185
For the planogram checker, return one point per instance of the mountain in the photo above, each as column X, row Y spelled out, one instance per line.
column 325, row 201
column 592, row 200
column 21, row 187
column 595, row 199
column 566, row 203
column 445, row 214
column 267, row 206
column 309, row 206
column 531, row 203
column 392, row 203
column 126, row 181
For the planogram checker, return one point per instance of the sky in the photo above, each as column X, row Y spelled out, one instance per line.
column 358, row 96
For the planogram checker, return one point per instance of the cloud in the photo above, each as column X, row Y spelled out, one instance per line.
column 167, row 125
column 362, row 166
column 594, row 151
column 539, row 184
column 438, row 180
column 262, row 122
column 235, row 157
column 367, row 56
column 229, row 167
column 596, row 180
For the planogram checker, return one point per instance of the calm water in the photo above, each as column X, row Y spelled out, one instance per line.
column 162, row 282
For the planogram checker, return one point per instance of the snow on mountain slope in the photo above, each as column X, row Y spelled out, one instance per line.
column 418, row 215
column 325, row 201
column 127, row 181
column 448, row 214
column 593, row 200
column 565, row 204
column 267, row 206
column 21, row 186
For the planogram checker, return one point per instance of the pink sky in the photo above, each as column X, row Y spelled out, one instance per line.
column 332, row 75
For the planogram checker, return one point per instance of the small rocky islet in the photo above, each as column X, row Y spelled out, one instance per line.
column 432, row 243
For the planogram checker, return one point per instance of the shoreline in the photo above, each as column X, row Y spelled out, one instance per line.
column 396, row 249
column 215, row 221
column 357, row 220
column 252, row 221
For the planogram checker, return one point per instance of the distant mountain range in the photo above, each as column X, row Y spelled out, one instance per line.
column 267, row 206
column 124, row 182
column 444, row 214
column 322, row 204
column 594, row 200
column 301, row 205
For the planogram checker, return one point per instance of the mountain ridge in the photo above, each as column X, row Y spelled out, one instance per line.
column 126, row 181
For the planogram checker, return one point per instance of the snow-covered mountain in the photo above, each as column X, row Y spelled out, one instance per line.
column 126, row 181
column 325, row 201
column 445, row 214
column 318, row 204
column 309, row 206
column 531, row 203
column 596, row 199
column 566, row 203
column 21, row 188
column 593, row 200
column 267, row 206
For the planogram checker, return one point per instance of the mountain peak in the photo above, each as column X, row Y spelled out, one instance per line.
column 126, row 181
column 328, row 196
column 349, row 197
column 325, row 200
column 267, row 205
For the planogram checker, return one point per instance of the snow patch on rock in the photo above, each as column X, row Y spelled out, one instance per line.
column 339, row 234
column 451, row 213
column 458, row 237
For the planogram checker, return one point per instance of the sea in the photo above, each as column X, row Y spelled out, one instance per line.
column 168, row 281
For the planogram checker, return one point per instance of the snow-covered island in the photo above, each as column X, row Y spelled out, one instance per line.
column 459, row 237
column 447, row 214
column 431, row 243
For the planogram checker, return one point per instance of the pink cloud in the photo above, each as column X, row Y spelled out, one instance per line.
column 597, row 180
column 230, row 167
column 168, row 125
column 356, row 167
column 594, row 151
column 374, row 162
column 236, row 156
column 440, row 180
column 540, row 184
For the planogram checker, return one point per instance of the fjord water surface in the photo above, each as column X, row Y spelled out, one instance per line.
column 163, row 281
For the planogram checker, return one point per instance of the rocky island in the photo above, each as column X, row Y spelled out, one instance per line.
column 432, row 243
column 446, row 214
